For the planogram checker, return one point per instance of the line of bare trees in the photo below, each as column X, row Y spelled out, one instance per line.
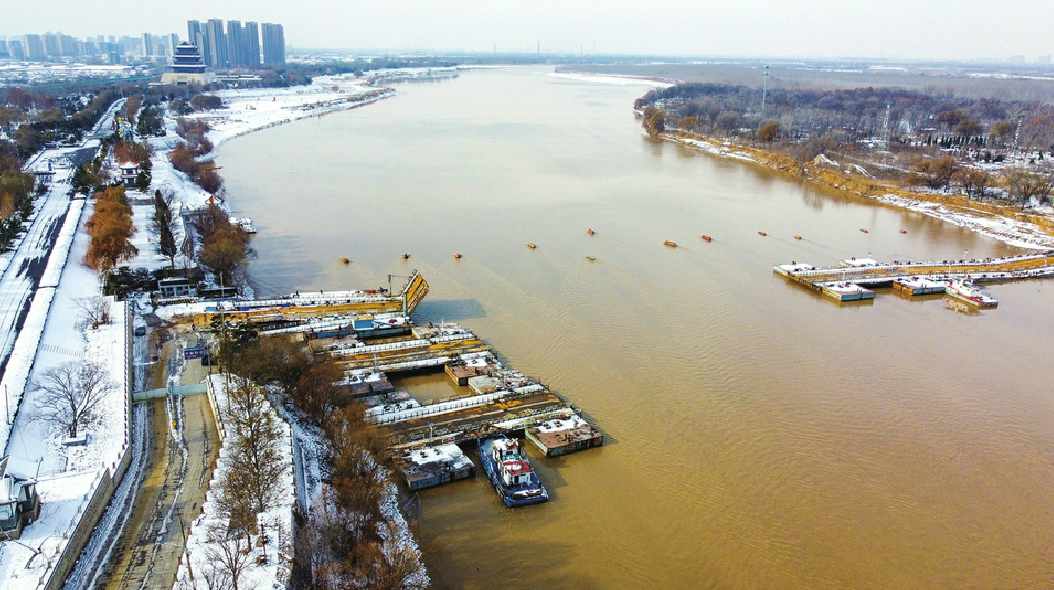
column 341, row 543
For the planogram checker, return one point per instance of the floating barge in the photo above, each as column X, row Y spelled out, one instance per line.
column 432, row 466
column 564, row 434
column 847, row 292
column 915, row 286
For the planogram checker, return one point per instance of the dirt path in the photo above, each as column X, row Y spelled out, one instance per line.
column 174, row 487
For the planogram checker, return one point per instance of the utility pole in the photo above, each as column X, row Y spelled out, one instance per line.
column 764, row 93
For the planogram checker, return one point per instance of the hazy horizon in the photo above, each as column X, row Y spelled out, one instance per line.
column 939, row 30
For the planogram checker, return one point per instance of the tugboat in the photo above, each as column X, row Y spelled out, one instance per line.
column 514, row 480
column 964, row 290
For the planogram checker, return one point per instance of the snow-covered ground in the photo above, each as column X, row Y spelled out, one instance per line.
column 1010, row 231
column 619, row 80
column 55, row 332
column 268, row 565
column 248, row 110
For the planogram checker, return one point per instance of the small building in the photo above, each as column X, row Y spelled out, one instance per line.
column 129, row 172
column 176, row 287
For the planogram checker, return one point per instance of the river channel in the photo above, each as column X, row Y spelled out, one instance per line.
column 758, row 435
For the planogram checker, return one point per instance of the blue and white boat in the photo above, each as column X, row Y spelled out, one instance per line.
column 507, row 467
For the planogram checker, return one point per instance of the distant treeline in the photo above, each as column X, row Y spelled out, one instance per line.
column 854, row 114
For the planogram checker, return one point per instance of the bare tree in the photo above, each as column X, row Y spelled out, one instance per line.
column 1027, row 185
column 228, row 555
column 72, row 393
column 255, row 446
column 96, row 310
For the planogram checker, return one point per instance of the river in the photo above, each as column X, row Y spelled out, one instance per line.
column 758, row 435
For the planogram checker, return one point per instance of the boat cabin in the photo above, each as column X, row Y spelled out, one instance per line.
column 515, row 472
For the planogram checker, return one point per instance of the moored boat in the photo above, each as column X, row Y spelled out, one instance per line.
column 670, row 243
column 965, row 290
column 510, row 473
column 844, row 291
column 706, row 237
column 919, row 286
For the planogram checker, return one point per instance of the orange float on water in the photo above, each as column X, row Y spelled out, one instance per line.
column 531, row 245
column 903, row 231
column 670, row 243
column 761, row 233
column 797, row 237
column 706, row 237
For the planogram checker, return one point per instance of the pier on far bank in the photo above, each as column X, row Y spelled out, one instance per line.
column 855, row 278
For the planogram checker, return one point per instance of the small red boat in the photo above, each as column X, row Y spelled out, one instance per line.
column 705, row 237
column 590, row 231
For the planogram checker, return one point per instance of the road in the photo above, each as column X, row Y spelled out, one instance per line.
column 174, row 487
column 22, row 269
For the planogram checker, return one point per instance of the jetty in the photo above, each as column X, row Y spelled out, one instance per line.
column 372, row 335
column 853, row 279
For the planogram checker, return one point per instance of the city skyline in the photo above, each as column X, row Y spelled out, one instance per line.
column 938, row 29
column 223, row 46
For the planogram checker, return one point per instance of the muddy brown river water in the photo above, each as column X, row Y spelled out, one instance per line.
column 758, row 435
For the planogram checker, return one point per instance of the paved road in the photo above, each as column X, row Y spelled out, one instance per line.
column 22, row 270
column 174, row 486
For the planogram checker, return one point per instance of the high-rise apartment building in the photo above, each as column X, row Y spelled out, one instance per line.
column 35, row 48
column 252, row 32
column 15, row 49
column 235, row 55
column 51, row 45
column 148, row 44
column 217, row 44
column 68, row 46
column 3, row 47
column 273, row 43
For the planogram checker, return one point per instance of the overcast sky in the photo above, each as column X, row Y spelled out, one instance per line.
column 938, row 29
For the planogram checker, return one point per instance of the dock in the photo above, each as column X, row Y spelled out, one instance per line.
column 854, row 278
column 302, row 307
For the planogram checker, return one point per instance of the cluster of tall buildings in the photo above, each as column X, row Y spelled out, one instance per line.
column 232, row 46
column 236, row 45
column 57, row 46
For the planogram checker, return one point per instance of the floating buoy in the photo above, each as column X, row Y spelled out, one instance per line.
column 863, row 230
column 797, row 237
column 457, row 255
column 670, row 244
column 590, row 258
column 406, row 256
column 344, row 259
column 706, row 237
column 903, row 231
column 590, row 231
column 531, row 245
column 761, row 233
